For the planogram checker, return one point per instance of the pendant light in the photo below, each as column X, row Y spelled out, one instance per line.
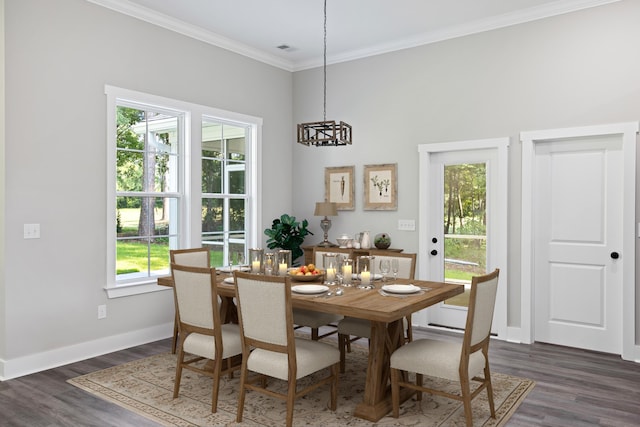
column 326, row 132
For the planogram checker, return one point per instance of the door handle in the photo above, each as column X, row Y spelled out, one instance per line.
column 434, row 252
column 615, row 255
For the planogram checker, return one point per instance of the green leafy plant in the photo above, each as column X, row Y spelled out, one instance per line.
column 287, row 233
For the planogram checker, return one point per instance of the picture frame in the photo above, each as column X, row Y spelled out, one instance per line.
column 381, row 187
column 339, row 187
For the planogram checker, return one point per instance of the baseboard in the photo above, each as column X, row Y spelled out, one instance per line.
column 32, row 363
column 514, row 335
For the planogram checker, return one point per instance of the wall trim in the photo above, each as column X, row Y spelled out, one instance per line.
column 37, row 362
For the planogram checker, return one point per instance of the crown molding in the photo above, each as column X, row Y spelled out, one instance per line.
column 500, row 21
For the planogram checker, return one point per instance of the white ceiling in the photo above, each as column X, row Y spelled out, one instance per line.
column 355, row 28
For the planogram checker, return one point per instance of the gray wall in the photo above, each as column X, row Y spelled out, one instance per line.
column 59, row 56
column 576, row 69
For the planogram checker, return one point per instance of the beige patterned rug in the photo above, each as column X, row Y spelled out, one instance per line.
column 146, row 387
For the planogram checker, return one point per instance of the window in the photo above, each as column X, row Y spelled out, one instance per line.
column 159, row 200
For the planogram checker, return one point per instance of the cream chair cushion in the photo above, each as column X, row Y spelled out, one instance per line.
column 313, row 319
column 205, row 346
column 435, row 358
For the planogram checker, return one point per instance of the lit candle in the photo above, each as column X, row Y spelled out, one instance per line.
column 255, row 266
column 331, row 274
column 347, row 270
column 365, row 277
column 282, row 268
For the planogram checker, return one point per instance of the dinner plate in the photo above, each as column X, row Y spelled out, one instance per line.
column 309, row 289
column 234, row 268
column 375, row 276
column 401, row 289
column 228, row 280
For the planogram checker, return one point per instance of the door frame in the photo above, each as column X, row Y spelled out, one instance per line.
column 498, row 202
column 627, row 131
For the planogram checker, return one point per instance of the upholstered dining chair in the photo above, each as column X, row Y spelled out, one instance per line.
column 351, row 328
column 314, row 320
column 269, row 347
column 192, row 257
column 202, row 334
column 461, row 362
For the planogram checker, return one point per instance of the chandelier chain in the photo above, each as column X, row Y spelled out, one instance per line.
column 324, row 68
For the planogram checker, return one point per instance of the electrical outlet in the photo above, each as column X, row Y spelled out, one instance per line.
column 31, row 231
column 406, row 225
column 102, row 311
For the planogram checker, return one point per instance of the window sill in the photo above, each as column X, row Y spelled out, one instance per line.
column 129, row 289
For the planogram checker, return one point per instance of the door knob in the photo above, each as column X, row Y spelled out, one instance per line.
column 434, row 252
column 615, row 255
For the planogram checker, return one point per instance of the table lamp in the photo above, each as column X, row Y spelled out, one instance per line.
column 326, row 209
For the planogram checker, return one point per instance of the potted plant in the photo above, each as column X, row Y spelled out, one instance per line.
column 287, row 233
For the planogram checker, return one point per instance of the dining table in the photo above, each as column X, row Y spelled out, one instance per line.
column 384, row 310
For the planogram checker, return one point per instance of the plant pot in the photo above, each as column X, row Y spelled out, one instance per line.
column 382, row 241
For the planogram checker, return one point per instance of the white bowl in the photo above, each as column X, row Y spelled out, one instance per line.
column 343, row 242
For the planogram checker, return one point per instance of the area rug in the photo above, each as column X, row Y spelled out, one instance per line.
column 145, row 386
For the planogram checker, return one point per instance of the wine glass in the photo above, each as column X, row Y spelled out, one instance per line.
column 385, row 265
column 395, row 266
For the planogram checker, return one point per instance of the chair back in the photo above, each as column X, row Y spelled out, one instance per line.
column 196, row 296
column 345, row 253
column 481, row 305
column 406, row 262
column 194, row 257
column 264, row 309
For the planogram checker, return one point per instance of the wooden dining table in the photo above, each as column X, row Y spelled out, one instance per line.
column 385, row 312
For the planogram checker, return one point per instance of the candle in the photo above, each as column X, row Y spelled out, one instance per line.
column 347, row 271
column 255, row 266
column 282, row 268
column 331, row 274
column 365, row 277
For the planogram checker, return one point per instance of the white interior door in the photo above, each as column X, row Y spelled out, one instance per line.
column 435, row 261
column 578, row 228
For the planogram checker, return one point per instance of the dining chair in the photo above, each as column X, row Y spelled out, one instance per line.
column 269, row 347
column 461, row 362
column 314, row 320
column 351, row 329
column 192, row 257
column 202, row 334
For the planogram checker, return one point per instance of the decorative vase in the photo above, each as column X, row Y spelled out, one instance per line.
column 382, row 241
column 365, row 240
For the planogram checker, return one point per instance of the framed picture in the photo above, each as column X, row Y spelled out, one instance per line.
column 339, row 187
column 381, row 187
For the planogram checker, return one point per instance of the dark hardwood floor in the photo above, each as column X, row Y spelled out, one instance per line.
column 574, row 388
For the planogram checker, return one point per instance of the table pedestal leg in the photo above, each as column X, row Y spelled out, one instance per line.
column 377, row 393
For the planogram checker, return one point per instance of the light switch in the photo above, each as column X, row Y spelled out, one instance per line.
column 406, row 225
column 31, row 231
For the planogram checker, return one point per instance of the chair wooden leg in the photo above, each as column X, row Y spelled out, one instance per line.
column 314, row 334
column 395, row 392
column 291, row 397
column 466, row 400
column 334, row 387
column 176, row 384
column 217, row 368
column 419, row 384
column 342, row 344
column 487, row 376
column 242, row 391
column 174, row 340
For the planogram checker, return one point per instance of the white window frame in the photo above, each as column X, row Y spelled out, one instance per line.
column 190, row 178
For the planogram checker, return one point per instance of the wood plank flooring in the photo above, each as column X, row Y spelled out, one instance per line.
column 574, row 388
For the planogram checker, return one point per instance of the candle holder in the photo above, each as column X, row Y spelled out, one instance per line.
column 366, row 271
column 330, row 266
column 269, row 263
column 256, row 259
column 347, row 271
column 283, row 260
